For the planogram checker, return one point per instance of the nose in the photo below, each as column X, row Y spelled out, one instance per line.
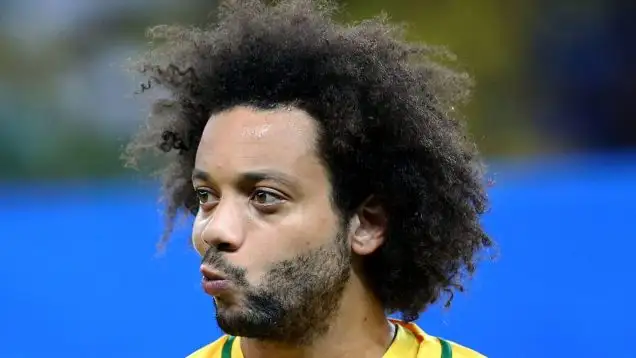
column 222, row 228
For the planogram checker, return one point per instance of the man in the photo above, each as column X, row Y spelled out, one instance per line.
column 330, row 180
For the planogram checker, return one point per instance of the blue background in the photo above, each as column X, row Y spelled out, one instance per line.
column 80, row 275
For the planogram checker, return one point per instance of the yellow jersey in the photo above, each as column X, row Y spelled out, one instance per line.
column 410, row 342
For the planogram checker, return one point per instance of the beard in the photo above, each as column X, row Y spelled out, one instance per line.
column 296, row 301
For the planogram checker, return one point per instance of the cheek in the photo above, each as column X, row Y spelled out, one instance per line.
column 263, row 248
column 266, row 246
column 309, row 229
column 320, row 226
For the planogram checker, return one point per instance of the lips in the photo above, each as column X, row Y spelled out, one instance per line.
column 210, row 274
column 213, row 282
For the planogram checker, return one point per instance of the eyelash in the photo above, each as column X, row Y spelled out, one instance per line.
column 200, row 193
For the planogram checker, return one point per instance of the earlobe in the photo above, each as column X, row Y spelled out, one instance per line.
column 368, row 227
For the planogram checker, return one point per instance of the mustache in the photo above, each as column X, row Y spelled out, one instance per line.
column 214, row 258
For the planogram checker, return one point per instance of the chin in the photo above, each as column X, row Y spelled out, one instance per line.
column 235, row 324
column 237, row 320
column 228, row 309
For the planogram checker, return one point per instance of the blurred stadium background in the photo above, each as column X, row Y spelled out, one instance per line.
column 553, row 112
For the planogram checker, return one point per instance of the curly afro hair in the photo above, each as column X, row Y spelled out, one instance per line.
column 388, row 128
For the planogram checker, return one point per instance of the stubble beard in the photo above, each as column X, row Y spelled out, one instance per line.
column 297, row 301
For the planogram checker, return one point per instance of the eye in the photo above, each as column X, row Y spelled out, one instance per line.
column 266, row 198
column 204, row 196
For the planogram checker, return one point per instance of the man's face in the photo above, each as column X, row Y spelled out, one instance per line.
column 266, row 223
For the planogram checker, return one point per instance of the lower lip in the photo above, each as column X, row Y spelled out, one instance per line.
column 215, row 287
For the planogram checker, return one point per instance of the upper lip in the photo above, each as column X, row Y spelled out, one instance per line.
column 210, row 274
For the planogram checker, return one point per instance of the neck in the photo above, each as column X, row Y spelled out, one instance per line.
column 358, row 329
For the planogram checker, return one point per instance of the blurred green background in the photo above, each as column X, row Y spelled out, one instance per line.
column 553, row 77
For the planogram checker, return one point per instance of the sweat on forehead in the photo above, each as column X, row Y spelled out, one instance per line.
column 278, row 135
column 255, row 122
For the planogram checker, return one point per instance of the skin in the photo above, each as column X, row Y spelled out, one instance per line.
column 278, row 238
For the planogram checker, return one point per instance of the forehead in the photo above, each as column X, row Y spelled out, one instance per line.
column 245, row 138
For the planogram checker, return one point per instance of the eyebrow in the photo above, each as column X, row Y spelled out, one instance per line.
column 198, row 174
column 251, row 177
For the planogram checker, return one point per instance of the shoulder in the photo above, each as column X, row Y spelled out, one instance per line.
column 431, row 346
column 212, row 350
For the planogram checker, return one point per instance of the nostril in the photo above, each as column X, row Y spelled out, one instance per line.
column 224, row 246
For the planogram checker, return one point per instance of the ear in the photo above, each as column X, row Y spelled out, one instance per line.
column 368, row 227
